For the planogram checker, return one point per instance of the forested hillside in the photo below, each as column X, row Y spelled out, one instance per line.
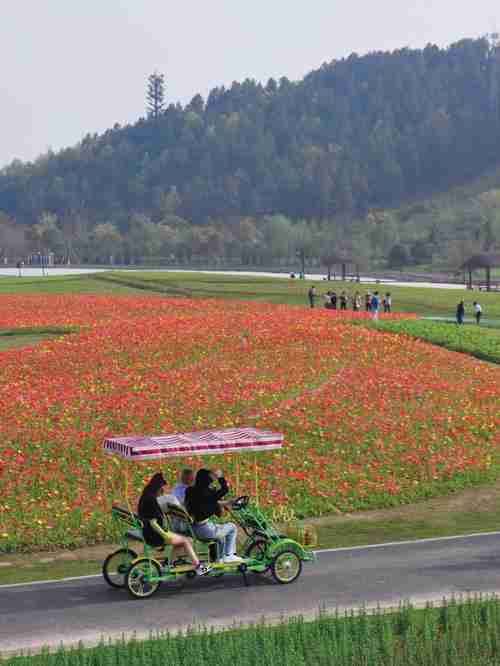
column 353, row 137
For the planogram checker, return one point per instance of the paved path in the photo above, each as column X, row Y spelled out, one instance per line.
column 86, row 609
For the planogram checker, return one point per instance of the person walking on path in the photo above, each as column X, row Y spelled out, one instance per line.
column 460, row 313
column 334, row 300
column 356, row 302
column 374, row 305
column 478, row 311
column 387, row 302
column 312, row 295
column 368, row 301
column 343, row 301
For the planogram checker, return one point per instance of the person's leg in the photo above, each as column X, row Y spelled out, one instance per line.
column 211, row 531
column 227, row 533
column 180, row 541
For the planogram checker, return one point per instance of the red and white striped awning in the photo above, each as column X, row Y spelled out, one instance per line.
column 206, row 443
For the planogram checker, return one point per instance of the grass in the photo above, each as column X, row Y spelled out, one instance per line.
column 455, row 633
column 478, row 341
column 36, row 570
column 67, row 284
column 27, row 337
column 421, row 300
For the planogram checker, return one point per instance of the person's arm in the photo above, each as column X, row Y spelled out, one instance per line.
column 223, row 490
column 159, row 530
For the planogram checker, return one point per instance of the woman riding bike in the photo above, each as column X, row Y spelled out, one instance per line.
column 203, row 502
column 152, row 518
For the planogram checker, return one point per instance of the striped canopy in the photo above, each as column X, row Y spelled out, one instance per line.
column 206, row 443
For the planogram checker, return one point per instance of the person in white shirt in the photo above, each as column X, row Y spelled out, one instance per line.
column 176, row 497
column 186, row 480
column 478, row 311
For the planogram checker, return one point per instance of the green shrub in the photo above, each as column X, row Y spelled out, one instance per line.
column 456, row 633
column 481, row 342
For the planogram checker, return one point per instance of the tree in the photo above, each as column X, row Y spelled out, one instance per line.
column 12, row 240
column 106, row 243
column 47, row 235
column 155, row 95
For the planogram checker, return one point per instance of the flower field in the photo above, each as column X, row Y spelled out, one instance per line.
column 370, row 418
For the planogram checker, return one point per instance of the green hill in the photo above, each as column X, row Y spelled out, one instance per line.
column 353, row 138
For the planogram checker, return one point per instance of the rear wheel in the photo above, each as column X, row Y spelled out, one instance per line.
column 257, row 551
column 139, row 576
column 286, row 567
column 116, row 566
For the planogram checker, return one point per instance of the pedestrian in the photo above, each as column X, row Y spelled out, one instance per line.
column 368, row 300
column 374, row 305
column 312, row 295
column 20, row 265
column 328, row 300
column 343, row 301
column 460, row 313
column 356, row 302
column 387, row 302
column 334, row 300
column 478, row 311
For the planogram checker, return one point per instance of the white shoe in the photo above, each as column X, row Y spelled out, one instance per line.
column 202, row 569
column 232, row 559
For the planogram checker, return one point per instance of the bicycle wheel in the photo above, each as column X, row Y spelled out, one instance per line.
column 115, row 567
column 139, row 576
column 286, row 567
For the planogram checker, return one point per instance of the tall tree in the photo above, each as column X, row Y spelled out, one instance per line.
column 155, row 95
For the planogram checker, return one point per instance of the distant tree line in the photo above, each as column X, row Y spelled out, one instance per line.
column 323, row 158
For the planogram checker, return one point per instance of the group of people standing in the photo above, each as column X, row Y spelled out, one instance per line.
column 371, row 302
column 460, row 312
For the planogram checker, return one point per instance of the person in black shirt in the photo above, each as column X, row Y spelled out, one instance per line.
column 152, row 519
column 203, row 502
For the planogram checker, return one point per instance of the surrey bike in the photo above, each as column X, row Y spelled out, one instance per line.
column 264, row 549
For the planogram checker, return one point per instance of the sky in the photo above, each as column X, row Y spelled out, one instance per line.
column 70, row 67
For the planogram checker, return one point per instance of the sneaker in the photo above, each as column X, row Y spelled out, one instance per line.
column 233, row 559
column 202, row 569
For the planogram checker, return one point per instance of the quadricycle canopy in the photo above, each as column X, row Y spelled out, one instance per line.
column 203, row 443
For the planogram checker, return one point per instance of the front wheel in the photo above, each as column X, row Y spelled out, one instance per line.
column 286, row 567
column 115, row 567
column 139, row 578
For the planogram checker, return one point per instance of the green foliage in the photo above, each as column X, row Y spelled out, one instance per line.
column 481, row 342
column 456, row 633
column 356, row 135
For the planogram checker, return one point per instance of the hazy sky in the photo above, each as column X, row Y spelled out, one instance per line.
column 75, row 66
